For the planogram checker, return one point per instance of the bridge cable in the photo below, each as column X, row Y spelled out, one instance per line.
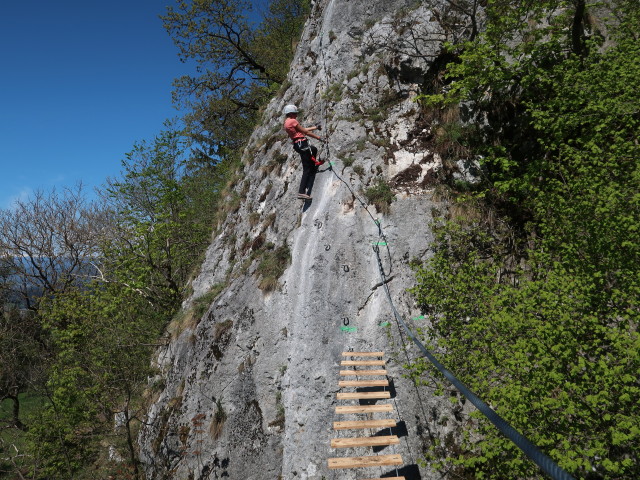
column 528, row 448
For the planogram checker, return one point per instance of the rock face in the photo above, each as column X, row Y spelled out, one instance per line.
column 248, row 389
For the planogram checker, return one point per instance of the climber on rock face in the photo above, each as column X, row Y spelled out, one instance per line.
column 308, row 152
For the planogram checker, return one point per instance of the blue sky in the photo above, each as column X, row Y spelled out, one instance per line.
column 80, row 82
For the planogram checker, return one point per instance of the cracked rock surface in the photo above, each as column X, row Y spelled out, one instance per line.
column 248, row 390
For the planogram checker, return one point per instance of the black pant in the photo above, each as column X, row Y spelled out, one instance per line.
column 309, row 168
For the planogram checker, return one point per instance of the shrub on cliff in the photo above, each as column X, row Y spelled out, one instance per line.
column 540, row 319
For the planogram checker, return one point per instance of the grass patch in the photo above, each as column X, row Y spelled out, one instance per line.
column 217, row 422
column 202, row 303
column 347, row 161
column 273, row 264
column 232, row 203
column 286, row 85
column 280, row 158
column 190, row 318
column 221, row 328
column 270, row 220
column 280, row 412
column 380, row 112
column 380, row 195
column 30, row 405
column 254, row 218
column 334, row 92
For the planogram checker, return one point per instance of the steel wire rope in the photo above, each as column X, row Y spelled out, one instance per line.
column 526, row 446
column 381, row 236
column 326, row 147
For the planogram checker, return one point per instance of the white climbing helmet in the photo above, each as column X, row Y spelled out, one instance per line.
column 291, row 108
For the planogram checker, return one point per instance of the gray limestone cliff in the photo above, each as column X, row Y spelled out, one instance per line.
column 247, row 390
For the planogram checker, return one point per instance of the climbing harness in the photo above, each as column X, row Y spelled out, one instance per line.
column 304, row 146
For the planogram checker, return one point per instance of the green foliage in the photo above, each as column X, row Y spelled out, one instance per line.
column 242, row 63
column 545, row 347
column 13, row 441
column 201, row 304
column 538, row 311
column 219, row 418
column 102, row 343
column 158, row 226
column 334, row 92
column 348, row 161
column 380, row 111
column 380, row 195
column 272, row 265
column 85, row 351
column 22, row 347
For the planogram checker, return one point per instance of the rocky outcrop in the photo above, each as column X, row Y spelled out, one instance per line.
column 247, row 390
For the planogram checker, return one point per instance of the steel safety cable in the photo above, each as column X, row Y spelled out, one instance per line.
column 528, row 448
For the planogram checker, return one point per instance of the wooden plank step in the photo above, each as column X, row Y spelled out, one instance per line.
column 355, row 424
column 363, row 363
column 359, row 462
column 363, row 383
column 363, row 354
column 362, row 395
column 362, row 372
column 344, row 410
column 379, row 441
column 386, row 478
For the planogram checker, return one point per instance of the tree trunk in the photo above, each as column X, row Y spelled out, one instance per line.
column 16, row 412
column 132, row 451
column 577, row 29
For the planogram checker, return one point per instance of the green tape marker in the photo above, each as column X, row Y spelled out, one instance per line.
column 385, row 324
column 421, row 317
column 349, row 329
column 380, row 244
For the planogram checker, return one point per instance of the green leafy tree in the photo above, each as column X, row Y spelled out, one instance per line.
column 103, row 337
column 540, row 317
column 47, row 244
column 544, row 346
column 241, row 62
column 155, row 230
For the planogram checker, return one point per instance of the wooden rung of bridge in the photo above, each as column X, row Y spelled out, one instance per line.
column 362, row 395
column 345, row 373
column 363, row 354
column 360, row 462
column 363, row 363
column 363, row 383
column 347, row 409
column 378, row 441
column 356, row 424
column 386, row 478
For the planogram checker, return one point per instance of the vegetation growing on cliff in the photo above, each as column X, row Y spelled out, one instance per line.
column 532, row 291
